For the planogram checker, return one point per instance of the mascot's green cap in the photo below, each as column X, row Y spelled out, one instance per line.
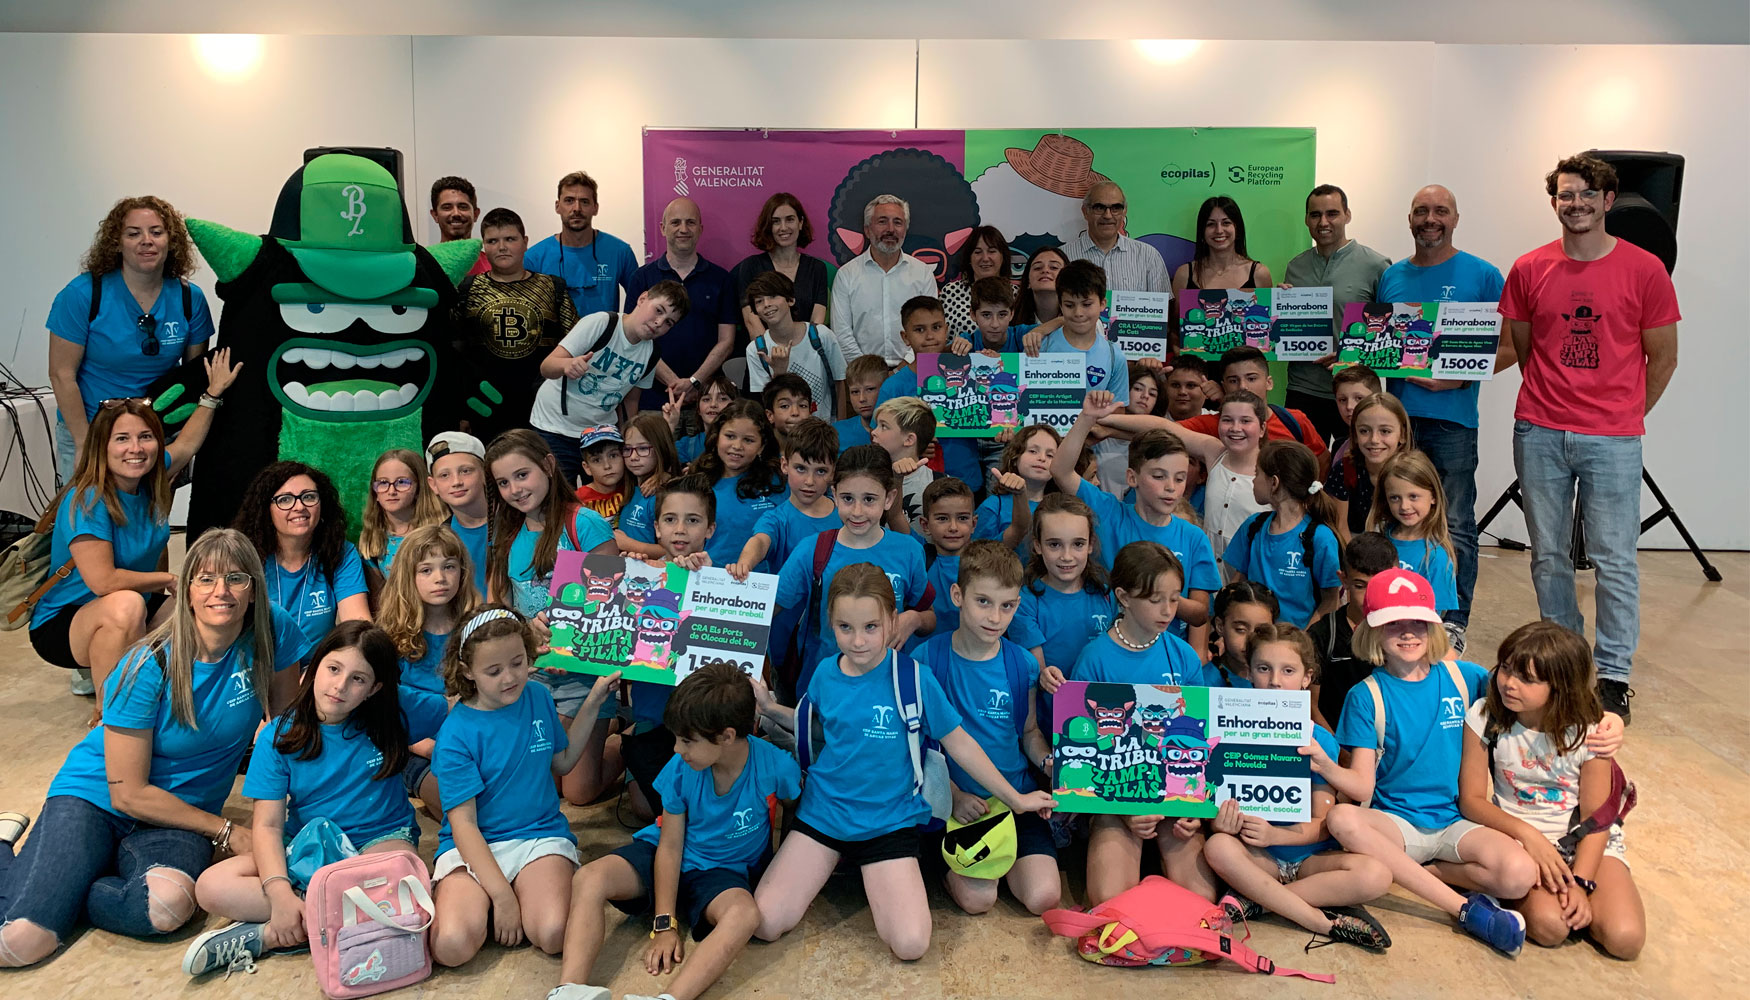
column 983, row 848
column 351, row 228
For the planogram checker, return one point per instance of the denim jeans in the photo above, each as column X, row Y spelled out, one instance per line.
column 1607, row 472
column 66, row 451
column 1452, row 447
column 82, row 859
column 569, row 453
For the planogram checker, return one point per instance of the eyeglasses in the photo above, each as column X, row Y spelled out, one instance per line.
column 1099, row 209
column 148, row 326
column 640, row 450
column 1567, row 197
column 233, row 581
column 309, row 498
column 401, row 485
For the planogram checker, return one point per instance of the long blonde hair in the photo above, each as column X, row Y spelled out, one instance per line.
column 403, row 613
column 427, row 508
column 174, row 644
column 1413, row 467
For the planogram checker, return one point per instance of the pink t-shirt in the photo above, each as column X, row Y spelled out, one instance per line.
column 1587, row 372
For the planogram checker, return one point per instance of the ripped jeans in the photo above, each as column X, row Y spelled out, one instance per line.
column 79, row 859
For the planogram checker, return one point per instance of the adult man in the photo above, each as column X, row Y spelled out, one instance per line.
column 868, row 291
column 455, row 210
column 1443, row 412
column 1130, row 265
column 594, row 265
column 1594, row 322
column 701, row 340
column 1352, row 271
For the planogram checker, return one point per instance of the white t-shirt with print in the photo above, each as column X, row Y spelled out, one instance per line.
column 819, row 372
column 1530, row 780
column 568, row 405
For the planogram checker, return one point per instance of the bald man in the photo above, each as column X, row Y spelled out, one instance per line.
column 698, row 345
column 594, row 265
column 1130, row 265
column 1443, row 412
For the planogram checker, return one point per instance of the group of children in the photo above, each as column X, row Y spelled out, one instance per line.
column 920, row 605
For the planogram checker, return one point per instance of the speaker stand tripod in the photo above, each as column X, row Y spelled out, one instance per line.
column 1577, row 547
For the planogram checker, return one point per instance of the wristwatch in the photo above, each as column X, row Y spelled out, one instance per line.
column 209, row 401
column 695, row 380
column 663, row 922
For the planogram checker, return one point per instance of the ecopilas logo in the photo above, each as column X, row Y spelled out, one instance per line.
column 1172, row 173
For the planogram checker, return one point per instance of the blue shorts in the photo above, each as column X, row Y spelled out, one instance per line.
column 413, row 774
column 698, row 889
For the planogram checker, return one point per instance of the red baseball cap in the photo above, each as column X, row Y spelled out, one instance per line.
column 1399, row 595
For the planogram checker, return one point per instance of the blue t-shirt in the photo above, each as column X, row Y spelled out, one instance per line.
column 311, row 595
column 1281, row 562
column 115, row 366
column 476, row 541
column 530, row 594
column 786, row 525
column 1220, row 675
column 995, row 515
column 135, row 545
column 736, row 518
column 503, row 760
column 195, row 765
column 1118, row 524
column 1418, row 555
column 382, row 563
column 1063, row 624
column 689, row 448
column 1424, row 740
column 732, row 830
column 982, row 693
column 861, row 784
column 959, row 455
column 852, row 432
column 1290, row 853
column 942, row 574
column 1107, row 368
column 340, row 784
column 1463, row 278
column 593, row 275
column 1170, row 661
column 899, row 556
column 638, row 517
column 427, row 673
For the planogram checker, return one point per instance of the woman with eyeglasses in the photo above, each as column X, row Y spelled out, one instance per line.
column 112, row 523
column 397, row 501
column 130, row 316
column 133, row 816
column 292, row 514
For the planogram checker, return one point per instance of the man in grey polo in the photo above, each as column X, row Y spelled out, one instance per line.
column 1352, row 271
column 1130, row 265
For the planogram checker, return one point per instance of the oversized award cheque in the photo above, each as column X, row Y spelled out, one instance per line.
column 1453, row 340
column 1142, row 750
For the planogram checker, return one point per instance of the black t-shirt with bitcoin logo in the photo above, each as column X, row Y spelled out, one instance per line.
column 506, row 328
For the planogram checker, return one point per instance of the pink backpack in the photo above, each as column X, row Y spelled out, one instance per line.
column 1158, row 922
column 368, row 916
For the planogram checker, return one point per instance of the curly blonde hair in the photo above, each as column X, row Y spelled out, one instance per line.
column 105, row 254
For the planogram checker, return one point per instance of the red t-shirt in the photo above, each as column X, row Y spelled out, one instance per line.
column 1587, row 371
column 1274, row 429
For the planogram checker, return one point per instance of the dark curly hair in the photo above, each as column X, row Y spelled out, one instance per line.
column 255, row 515
column 105, row 253
column 762, row 478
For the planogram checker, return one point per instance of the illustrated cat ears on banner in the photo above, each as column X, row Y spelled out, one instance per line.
column 952, row 242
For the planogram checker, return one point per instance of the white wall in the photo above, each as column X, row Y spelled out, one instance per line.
column 93, row 117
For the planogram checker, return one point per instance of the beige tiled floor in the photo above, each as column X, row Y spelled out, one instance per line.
column 1688, row 751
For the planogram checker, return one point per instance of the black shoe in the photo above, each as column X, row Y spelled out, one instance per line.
column 1615, row 695
column 1240, row 909
column 1354, row 925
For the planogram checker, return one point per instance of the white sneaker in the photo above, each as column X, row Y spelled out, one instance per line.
column 578, row 991
column 80, row 683
column 634, row 996
column 12, row 826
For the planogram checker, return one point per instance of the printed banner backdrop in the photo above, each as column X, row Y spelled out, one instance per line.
column 1027, row 183
column 655, row 624
column 1143, row 750
column 1287, row 324
column 976, row 395
column 1455, row 340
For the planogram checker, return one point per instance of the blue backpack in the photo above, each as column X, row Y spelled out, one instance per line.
column 929, row 769
column 1018, row 665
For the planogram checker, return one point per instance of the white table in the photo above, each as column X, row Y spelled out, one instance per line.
column 27, row 450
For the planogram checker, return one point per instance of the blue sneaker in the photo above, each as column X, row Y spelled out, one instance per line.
column 234, row 948
column 1488, row 921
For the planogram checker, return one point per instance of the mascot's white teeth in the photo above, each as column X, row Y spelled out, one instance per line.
column 318, row 358
column 362, row 401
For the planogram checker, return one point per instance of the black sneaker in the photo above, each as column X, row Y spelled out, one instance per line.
column 1615, row 695
column 1354, row 925
column 1455, row 637
column 1240, row 909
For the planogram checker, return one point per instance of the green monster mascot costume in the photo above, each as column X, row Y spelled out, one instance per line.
column 343, row 328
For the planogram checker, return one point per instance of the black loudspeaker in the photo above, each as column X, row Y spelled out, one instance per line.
column 1650, row 185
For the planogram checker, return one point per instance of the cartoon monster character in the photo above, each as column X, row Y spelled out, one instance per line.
column 1257, row 326
column 632, row 593
column 1418, row 339
column 1077, row 746
column 659, row 623
column 342, row 324
column 1153, row 718
column 1184, row 756
column 564, row 615
column 1111, row 706
column 1005, row 399
column 1580, row 349
column 598, row 590
column 953, row 378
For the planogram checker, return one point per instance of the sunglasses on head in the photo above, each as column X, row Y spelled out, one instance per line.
column 121, row 401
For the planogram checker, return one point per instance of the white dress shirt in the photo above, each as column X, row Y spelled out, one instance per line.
column 866, row 301
column 1131, row 265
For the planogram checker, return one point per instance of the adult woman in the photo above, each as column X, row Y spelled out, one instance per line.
column 129, row 317
column 1220, row 259
column 292, row 515
column 1037, row 302
column 780, row 231
column 132, row 817
column 985, row 254
column 113, row 522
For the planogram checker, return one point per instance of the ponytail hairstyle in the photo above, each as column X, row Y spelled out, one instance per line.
column 491, row 621
column 402, row 614
column 1548, row 653
column 427, row 508
column 1094, row 579
column 861, row 580
column 1139, row 566
column 1297, row 474
column 378, row 717
column 557, row 510
column 660, row 437
column 1241, row 591
column 1415, row 468
column 765, row 476
column 1290, row 635
column 869, row 460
